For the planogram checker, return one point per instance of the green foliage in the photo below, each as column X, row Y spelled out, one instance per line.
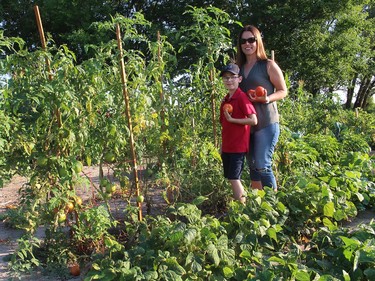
column 343, row 253
column 24, row 259
column 53, row 119
column 91, row 229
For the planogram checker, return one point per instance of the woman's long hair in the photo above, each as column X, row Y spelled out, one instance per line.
column 260, row 52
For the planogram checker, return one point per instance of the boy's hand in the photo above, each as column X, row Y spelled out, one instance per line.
column 228, row 116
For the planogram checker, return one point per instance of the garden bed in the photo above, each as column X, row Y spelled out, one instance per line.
column 9, row 197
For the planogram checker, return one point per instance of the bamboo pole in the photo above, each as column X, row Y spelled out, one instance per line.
column 162, row 112
column 42, row 38
column 213, row 105
column 128, row 115
column 56, row 110
column 44, row 46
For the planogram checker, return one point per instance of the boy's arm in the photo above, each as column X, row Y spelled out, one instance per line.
column 251, row 119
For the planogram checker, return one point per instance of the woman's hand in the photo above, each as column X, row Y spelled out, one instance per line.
column 253, row 97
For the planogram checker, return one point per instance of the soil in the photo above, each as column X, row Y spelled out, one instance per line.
column 9, row 198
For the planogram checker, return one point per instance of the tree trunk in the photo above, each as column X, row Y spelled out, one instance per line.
column 363, row 92
column 350, row 92
column 370, row 92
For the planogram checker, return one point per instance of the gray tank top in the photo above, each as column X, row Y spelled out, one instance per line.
column 267, row 113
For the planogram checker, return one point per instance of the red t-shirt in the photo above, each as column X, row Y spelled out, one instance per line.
column 235, row 137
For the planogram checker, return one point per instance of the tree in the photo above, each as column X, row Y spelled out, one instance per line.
column 364, row 77
column 325, row 44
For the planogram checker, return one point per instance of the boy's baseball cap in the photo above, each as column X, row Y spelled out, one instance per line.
column 232, row 68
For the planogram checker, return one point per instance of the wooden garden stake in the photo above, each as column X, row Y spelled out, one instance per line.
column 127, row 109
column 42, row 38
column 56, row 110
column 213, row 105
column 44, row 46
column 162, row 112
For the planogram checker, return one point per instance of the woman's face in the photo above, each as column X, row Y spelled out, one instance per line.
column 248, row 43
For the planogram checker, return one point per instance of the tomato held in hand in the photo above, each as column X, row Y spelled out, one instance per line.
column 260, row 91
column 251, row 93
column 228, row 107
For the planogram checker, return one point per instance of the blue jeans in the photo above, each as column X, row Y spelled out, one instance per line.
column 262, row 146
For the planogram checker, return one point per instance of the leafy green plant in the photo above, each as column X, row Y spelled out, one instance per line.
column 91, row 229
column 24, row 260
column 343, row 254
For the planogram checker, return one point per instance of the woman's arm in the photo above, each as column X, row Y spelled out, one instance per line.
column 278, row 81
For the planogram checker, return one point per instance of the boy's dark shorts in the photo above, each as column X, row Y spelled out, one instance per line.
column 233, row 164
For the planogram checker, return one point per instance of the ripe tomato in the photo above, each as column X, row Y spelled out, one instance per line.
column 251, row 93
column 74, row 269
column 260, row 91
column 228, row 107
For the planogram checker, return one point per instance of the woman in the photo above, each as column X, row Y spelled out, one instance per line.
column 257, row 70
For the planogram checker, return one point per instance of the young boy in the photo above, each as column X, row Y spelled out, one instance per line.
column 235, row 120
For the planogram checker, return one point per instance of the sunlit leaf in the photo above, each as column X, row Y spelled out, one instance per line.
column 199, row 200
column 302, row 276
column 213, row 254
column 190, row 235
column 271, row 232
column 329, row 209
column 328, row 223
column 228, row 272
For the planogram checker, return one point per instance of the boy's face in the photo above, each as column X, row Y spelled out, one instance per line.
column 231, row 81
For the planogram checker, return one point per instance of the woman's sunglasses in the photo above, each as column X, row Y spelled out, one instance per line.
column 250, row 40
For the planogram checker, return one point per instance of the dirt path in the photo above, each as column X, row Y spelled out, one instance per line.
column 9, row 198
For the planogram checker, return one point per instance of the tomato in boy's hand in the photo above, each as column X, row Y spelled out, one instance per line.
column 228, row 107
column 260, row 91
